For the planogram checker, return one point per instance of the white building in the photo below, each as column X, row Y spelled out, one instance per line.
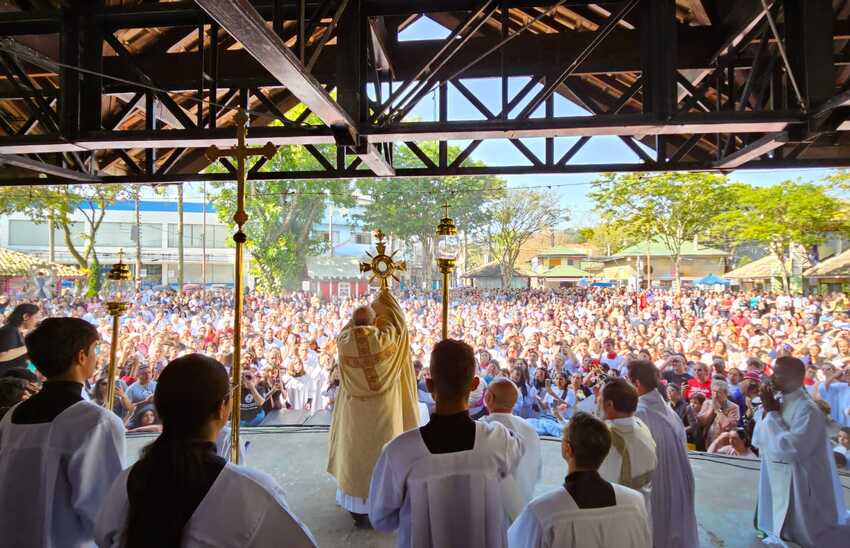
column 158, row 239
column 349, row 239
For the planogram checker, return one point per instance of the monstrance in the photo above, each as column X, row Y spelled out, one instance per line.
column 382, row 266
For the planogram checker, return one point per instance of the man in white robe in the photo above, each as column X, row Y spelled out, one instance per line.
column 674, row 522
column 632, row 458
column 440, row 485
column 587, row 512
column 801, row 502
column 518, row 488
column 59, row 454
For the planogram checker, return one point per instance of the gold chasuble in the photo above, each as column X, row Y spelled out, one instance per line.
column 377, row 397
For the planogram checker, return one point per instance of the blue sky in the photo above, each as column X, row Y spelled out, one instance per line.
column 571, row 188
column 597, row 150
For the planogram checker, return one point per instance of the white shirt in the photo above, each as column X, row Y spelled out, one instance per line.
column 55, row 476
column 838, row 397
column 800, row 496
column 445, row 500
column 555, row 520
column 243, row 508
column 518, row 488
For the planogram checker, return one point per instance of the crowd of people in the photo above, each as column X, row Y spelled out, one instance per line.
column 623, row 378
column 713, row 350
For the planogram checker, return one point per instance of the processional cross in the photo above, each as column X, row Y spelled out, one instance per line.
column 240, row 152
column 382, row 265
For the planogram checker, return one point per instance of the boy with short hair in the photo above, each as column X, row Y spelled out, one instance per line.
column 59, row 454
column 587, row 512
column 440, row 485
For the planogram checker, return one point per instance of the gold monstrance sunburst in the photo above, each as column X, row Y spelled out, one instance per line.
column 382, row 266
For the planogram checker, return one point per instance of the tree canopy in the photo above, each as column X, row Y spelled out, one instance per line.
column 514, row 219
column 56, row 204
column 780, row 215
column 671, row 207
column 409, row 208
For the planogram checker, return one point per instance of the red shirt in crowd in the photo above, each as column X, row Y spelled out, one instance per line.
column 695, row 386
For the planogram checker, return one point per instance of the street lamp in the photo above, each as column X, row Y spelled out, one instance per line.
column 117, row 292
column 447, row 250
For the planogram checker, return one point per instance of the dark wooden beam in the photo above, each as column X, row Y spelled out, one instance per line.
column 602, row 124
column 241, row 20
column 47, row 169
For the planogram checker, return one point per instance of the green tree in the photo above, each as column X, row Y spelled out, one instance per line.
column 605, row 238
column 55, row 204
column 409, row 208
column 743, row 261
column 778, row 216
column 671, row 207
column 514, row 220
column 281, row 216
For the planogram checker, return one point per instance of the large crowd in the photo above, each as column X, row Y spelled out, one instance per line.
column 713, row 350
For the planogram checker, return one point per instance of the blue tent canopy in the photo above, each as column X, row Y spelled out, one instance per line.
column 602, row 284
column 711, row 279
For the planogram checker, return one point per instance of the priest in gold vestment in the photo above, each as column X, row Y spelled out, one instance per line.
column 377, row 398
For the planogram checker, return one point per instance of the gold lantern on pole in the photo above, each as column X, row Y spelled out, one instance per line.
column 447, row 251
column 118, row 289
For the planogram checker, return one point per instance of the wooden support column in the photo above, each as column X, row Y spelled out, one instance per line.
column 809, row 43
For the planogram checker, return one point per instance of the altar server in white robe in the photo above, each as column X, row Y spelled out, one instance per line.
column 801, row 502
column 518, row 488
column 58, row 453
column 440, row 485
column 674, row 522
column 587, row 512
column 180, row 492
column 632, row 459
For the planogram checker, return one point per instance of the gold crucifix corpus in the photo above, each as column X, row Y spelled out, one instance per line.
column 241, row 152
column 382, row 265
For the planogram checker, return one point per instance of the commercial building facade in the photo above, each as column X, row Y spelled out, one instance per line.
column 204, row 237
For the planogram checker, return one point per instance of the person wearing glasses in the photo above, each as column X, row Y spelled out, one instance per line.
column 121, row 404
column 58, row 453
column 181, row 492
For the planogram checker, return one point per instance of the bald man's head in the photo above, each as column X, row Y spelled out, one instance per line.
column 363, row 315
column 501, row 395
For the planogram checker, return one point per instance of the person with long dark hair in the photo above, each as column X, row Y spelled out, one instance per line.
column 13, row 352
column 180, row 492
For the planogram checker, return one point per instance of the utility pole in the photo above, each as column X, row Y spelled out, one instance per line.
column 330, row 223
column 204, row 247
column 180, row 232
column 51, row 239
column 137, row 195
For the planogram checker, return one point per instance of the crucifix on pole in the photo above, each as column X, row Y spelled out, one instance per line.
column 241, row 153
